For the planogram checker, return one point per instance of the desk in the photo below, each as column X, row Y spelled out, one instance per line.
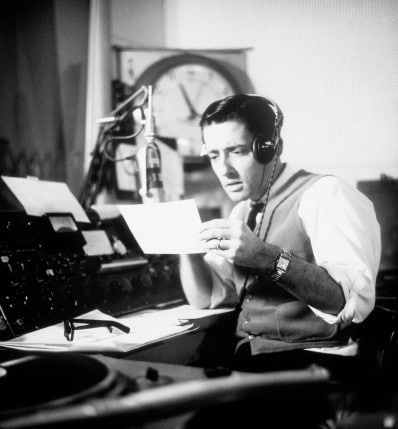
column 208, row 345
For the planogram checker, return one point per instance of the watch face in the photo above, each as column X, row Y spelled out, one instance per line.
column 180, row 95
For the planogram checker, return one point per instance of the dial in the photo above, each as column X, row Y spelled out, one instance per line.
column 183, row 86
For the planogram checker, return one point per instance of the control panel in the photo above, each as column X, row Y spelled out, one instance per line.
column 48, row 274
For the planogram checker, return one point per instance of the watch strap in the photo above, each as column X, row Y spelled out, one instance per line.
column 281, row 264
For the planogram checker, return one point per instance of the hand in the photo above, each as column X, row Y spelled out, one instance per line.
column 193, row 114
column 234, row 240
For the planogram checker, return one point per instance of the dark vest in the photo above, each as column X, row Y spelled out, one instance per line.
column 272, row 318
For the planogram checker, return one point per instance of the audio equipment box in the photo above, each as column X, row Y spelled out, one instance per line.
column 53, row 268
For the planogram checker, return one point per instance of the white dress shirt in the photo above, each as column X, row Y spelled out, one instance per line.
column 346, row 242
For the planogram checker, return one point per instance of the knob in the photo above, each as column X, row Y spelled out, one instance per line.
column 147, row 281
column 119, row 289
column 152, row 374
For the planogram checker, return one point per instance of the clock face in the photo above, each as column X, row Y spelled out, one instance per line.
column 181, row 93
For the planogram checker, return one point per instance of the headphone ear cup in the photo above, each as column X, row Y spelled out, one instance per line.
column 263, row 150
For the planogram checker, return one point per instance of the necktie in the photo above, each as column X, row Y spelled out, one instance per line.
column 255, row 209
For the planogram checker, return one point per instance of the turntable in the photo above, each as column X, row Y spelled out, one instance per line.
column 74, row 390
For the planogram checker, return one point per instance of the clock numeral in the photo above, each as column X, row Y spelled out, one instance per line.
column 191, row 75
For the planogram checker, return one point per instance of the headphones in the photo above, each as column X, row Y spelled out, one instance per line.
column 263, row 149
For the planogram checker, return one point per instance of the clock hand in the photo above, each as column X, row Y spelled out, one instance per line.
column 193, row 113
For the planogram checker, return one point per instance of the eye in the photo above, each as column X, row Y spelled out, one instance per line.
column 240, row 151
column 212, row 156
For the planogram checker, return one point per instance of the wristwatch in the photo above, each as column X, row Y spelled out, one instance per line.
column 281, row 264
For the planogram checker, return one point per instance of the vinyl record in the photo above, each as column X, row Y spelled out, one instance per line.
column 36, row 382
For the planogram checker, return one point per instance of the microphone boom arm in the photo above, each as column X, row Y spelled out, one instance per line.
column 91, row 184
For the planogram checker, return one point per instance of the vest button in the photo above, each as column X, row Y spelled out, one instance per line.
column 247, row 319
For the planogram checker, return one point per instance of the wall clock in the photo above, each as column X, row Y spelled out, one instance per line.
column 183, row 86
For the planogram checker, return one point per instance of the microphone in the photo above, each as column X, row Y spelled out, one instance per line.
column 150, row 119
column 153, row 171
column 154, row 184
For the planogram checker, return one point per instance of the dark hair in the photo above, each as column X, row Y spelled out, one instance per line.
column 258, row 113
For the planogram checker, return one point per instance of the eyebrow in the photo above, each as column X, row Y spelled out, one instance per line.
column 229, row 148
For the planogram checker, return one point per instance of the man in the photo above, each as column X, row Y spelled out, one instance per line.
column 304, row 269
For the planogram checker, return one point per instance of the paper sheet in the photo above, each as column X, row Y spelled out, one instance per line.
column 97, row 243
column 39, row 197
column 146, row 327
column 142, row 331
column 165, row 228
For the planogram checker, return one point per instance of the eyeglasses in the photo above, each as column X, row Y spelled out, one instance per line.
column 70, row 327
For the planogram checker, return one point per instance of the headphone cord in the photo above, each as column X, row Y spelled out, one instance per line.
column 267, row 192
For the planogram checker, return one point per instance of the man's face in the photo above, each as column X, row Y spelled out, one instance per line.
column 228, row 146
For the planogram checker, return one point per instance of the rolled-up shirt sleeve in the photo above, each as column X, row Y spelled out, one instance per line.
column 345, row 238
column 223, row 286
column 226, row 279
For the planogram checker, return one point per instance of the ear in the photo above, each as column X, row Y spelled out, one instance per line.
column 280, row 147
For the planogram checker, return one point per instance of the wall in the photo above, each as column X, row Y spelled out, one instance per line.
column 137, row 23
column 331, row 65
